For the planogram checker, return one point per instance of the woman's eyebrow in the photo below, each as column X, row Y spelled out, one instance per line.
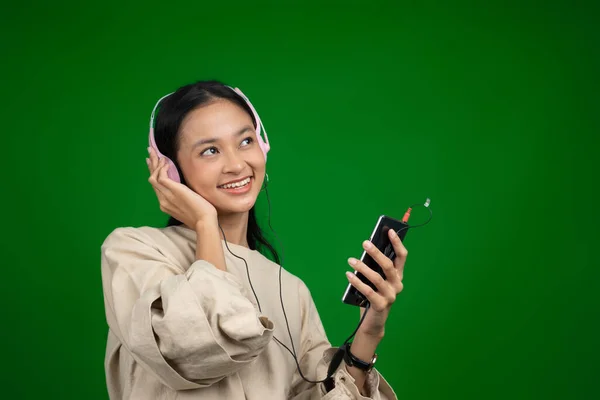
column 214, row 140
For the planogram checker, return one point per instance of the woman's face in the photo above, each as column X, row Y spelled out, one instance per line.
column 218, row 146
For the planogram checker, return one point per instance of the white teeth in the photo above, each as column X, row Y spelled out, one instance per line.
column 237, row 184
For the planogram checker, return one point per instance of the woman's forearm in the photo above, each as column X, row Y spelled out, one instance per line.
column 208, row 244
column 363, row 347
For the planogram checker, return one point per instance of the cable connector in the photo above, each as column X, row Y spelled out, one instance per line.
column 406, row 215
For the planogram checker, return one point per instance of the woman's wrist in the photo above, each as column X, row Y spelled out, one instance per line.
column 206, row 223
column 363, row 347
column 208, row 243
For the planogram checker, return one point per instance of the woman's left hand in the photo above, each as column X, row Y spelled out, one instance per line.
column 387, row 289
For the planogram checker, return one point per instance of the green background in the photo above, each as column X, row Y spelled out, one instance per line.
column 488, row 108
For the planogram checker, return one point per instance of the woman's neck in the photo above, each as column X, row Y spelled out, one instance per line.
column 235, row 227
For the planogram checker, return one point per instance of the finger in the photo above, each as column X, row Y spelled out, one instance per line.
column 376, row 300
column 381, row 284
column 153, row 158
column 164, row 181
column 382, row 260
column 154, row 172
column 159, row 195
column 153, row 179
column 401, row 252
column 161, row 175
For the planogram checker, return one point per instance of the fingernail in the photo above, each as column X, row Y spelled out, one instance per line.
column 148, row 161
column 148, row 150
column 352, row 261
column 367, row 244
column 392, row 233
column 349, row 275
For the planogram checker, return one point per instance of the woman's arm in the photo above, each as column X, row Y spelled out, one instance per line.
column 363, row 347
column 314, row 355
column 191, row 328
column 381, row 300
column 208, row 243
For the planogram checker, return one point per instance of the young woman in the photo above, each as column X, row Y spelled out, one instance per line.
column 194, row 309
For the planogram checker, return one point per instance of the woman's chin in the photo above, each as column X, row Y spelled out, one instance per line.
column 237, row 207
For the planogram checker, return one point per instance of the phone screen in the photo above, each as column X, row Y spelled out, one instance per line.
column 381, row 240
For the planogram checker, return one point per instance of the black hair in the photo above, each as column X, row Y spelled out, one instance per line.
column 171, row 113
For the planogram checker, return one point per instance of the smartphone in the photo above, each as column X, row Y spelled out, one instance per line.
column 381, row 240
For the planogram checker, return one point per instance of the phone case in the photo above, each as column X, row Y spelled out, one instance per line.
column 381, row 240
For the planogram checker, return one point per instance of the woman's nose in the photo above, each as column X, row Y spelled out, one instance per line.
column 234, row 162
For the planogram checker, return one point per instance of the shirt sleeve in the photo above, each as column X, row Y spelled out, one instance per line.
column 191, row 328
column 314, row 357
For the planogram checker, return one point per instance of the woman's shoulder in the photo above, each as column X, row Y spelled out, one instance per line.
column 172, row 246
column 147, row 235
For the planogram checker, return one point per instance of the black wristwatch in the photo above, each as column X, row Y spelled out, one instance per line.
column 352, row 361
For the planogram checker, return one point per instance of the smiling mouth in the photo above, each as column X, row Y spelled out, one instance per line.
column 237, row 185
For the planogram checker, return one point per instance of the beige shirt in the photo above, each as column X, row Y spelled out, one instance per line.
column 179, row 328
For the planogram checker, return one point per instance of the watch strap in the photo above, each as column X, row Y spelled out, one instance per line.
column 353, row 361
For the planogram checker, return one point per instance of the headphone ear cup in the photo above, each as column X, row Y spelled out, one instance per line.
column 172, row 171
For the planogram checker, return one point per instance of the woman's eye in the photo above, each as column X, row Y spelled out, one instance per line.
column 209, row 151
column 247, row 140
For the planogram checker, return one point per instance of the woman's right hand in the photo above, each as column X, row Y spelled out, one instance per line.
column 177, row 199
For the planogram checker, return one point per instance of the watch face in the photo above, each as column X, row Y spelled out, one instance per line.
column 373, row 361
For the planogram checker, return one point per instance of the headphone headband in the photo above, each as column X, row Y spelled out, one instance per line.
column 155, row 107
